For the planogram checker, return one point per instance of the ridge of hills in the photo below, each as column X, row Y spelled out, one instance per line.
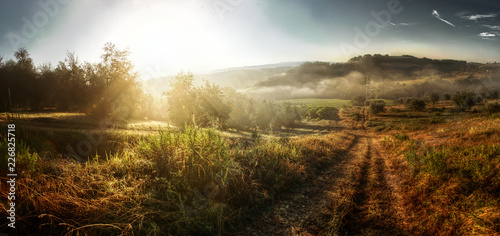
column 289, row 80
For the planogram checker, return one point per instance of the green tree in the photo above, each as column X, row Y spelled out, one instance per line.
column 463, row 100
column 415, row 104
column 48, row 86
column 24, row 91
column 242, row 110
column 264, row 116
column 121, row 90
column 287, row 115
column 182, row 100
column 446, row 96
column 212, row 109
column 492, row 94
column 491, row 108
column 358, row 100
column 434, row 97
column 72, row 87
column 327, row 113
column 376, row 106
column 24, row 61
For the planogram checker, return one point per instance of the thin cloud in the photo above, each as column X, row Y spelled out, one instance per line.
column 493, row 27
column 402, row 24
column 436, row 14
column 462, row 13
column 486, row 34
column 479, row 16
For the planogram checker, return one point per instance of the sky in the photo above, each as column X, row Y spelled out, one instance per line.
column 165, row 37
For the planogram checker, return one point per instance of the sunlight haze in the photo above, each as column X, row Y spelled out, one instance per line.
column 165, row 37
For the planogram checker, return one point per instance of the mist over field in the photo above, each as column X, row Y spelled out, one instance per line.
column 383, row 77
column 387, row 77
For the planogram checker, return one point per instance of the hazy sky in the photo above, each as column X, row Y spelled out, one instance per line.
column 167, row 36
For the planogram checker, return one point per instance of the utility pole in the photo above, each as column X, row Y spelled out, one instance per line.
column 367, row 84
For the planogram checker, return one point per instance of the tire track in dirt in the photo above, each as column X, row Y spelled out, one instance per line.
column 355, row 196
column 289, row 215
column 374, row 211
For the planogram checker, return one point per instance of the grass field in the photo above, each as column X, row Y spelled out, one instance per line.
column 337, row 103
column 399, row 172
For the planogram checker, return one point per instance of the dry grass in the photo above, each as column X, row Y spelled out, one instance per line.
column 191, row 182
column 454, row 180
column 70, row 198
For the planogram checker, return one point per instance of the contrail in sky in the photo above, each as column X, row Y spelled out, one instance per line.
column 436, row 14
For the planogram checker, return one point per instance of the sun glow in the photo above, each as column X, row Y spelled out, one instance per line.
column 170, row 36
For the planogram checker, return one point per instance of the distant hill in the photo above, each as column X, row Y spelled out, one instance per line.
column 266, row 66
column 376, row 67
column 386, row 76
column 236, row 77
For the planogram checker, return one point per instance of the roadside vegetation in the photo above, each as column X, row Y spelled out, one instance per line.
column 452, row 174
column 182, row 181
column 447, row 162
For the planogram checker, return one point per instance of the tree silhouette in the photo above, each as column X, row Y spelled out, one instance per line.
column 117, row 99
column 73, row 92
column 24, row 82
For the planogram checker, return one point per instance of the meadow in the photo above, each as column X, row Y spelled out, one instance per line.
column 152, row 180
column 407, row 172
column 337, row 103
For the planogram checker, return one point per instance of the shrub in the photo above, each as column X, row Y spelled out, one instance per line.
column 376, row 106
column 434, row 97
column 401, row 137
column 490, row 108
column 399, row 101
column 323, row 113
column 415, row 104
column 286, row 116
column 446, row 96
column 328, row 113
column 464, row 100
column 25, row 158
column 395, row 110
column 358, row 100
column 493, row 94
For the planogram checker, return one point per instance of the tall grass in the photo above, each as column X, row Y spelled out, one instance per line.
column 25, row 159
column 189, row 182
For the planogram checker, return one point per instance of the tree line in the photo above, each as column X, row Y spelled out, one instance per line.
column 101, row 89
column 110, row 88
column 211, row 105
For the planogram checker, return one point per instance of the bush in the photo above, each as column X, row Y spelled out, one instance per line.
column 493, row 94
column 376, row 106
column 464, row 100
column 434, row 97
column 323, row 113
column 205, row 106
column 287, row 116
column 490, row 108
column 446, row 96
column 401, row 137
column 358, row 100
column 25, row 158
column 415, row 104
column 399, row 101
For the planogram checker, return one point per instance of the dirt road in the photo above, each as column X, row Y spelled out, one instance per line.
column 358, row 195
